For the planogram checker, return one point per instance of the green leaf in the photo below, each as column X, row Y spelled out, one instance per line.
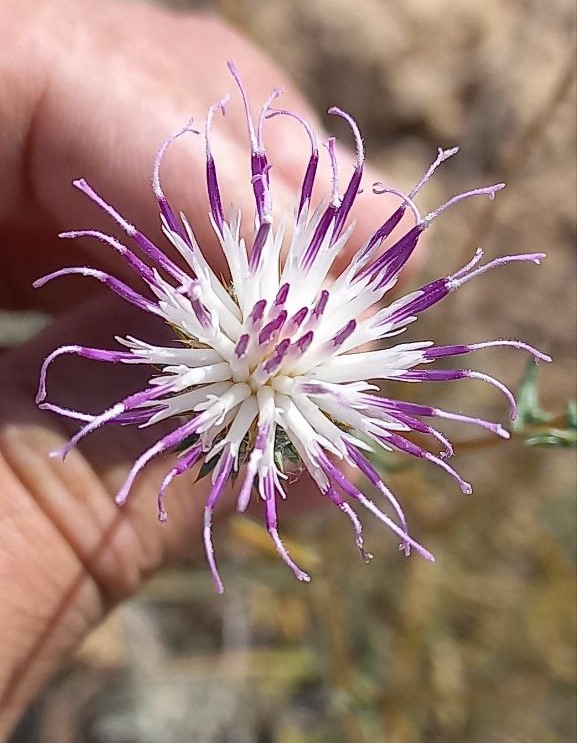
column 532, row 417
column 529, row 410
column 557, row 437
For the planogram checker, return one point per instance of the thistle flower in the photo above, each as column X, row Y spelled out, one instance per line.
column 268, row 372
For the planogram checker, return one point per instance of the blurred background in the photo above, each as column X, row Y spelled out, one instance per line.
column 480, row 646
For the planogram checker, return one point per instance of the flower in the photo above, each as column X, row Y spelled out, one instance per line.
column 270, row 370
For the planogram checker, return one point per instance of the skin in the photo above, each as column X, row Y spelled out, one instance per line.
column 92, row 90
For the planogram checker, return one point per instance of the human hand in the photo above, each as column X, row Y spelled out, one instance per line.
column 93, row 90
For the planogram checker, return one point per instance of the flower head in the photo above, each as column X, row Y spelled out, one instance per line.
column 269, row 371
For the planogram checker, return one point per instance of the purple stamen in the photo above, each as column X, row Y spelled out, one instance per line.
column 144, row 271
column 259, row 168
column 66, row 412
column 95, row 423
column 381, row 234
column 347, row 202
column 433, row 375
column 408, row 447
column 393, row 259
column 338, row 339
column 282, row 295
column 465, row 487
column 305, row 341
column 360, row 148
column 258, row 162
column 420, row 427
column 259, row 243
column 330, row 145
column 272, row 112
column 241, row 346
column 263, row 115
column 321, row 304
column 335, row 498
column 211, row 174
column 134, row 417
column 448, row 450
column 473, row 262
column 319, row 235
column 309, row 177
column 489, row 191
column 441, row 157
column 186, row 462
column 493, row 427
column 257, row 312
column 163, row 204
column 141, row 418
column 461, row 278
column 424, row 410
column 539, row 356
column 115, row 285
column 429, row 295
column 112, row 414
column 297, row 320
column 277, row 358
column 251, row 132
column 96, row 354
column 442, row 375
column 500, row 386
column 225, row 466
column 147, row 247
column 373, row 476
column 272, row 524
column 442, row 351
column 353, row 187
column 380, row 188
column 308, row 183
column 201, row 313
column 272, row 328
column 349, row 489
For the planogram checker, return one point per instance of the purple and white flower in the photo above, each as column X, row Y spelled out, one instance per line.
column 271, row 369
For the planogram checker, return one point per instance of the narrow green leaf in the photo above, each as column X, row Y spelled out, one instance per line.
column 529, row 410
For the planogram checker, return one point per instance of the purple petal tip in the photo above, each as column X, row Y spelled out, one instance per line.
column 423, row 552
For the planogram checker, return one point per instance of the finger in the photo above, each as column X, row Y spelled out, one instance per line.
column 110, row 133
column 68, row 552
